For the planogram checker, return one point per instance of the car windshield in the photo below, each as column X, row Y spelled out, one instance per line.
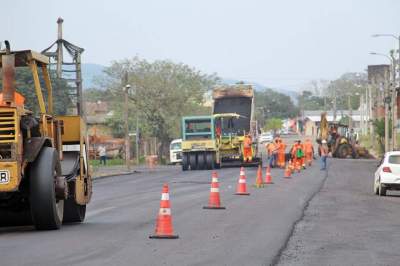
column 394, row 159
column 175, row 146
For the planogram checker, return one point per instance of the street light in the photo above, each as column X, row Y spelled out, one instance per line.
column 393, row 103
column 394, row 93
column 127, row 138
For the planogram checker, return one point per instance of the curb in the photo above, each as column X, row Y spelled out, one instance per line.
column 102, row 176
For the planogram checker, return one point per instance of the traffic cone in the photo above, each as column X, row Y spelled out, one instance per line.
column 288, row 172
column 164, row 219
column 214, row 201
column 259, row 181
column 241, row 188
column 268, row 177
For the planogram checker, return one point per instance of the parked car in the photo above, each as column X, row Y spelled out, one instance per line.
column 175, row 151
column 265, row 137
column 387, row 175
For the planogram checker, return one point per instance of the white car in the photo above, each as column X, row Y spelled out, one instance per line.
column 175, row 151
column 387, row 176
column 265, row 137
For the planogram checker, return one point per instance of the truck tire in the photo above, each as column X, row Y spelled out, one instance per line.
column 73, row 212
column 185, row 162
column 192, row 161
column 344, row 151
column 210, row 159
column 201, row 161
column 47, row 212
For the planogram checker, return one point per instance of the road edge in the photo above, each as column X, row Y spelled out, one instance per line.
column 278, row 256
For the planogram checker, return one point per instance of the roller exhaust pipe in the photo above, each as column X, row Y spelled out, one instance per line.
column 8, row 74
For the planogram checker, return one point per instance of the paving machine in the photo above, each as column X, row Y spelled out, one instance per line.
column 234, row 110
column 44, row 174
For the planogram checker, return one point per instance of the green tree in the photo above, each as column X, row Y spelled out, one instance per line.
column 162, row 92
column 273, row 124
column 270, row 104
column 308, row 101
column 379, row 126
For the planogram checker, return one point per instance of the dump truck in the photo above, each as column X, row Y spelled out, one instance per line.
column 211, row 141
column 234, row 104
column 44, row 173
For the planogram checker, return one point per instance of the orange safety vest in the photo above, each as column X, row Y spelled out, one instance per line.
column 247, row 142
column 308, row 147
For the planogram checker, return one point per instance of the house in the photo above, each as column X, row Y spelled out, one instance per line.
column 312, row 120
column 98, row 131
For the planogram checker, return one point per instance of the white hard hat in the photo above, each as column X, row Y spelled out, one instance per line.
column 323, row 141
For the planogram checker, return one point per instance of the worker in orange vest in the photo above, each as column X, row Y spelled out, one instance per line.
column 272, row 149
column 281, row 153
column 247, row 149
column 297, row 153
column 309, row 151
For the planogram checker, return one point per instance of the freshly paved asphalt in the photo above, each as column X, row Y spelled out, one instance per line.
column 251, row 231
column 314, row 218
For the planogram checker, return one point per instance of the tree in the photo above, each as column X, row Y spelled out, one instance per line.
column 273, row 124
column 353, row 84
column 162, row 92
column 308, row 101
column 270, row 104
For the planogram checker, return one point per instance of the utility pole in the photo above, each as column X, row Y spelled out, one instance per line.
column 350, row 113
column 137, row 133
column 386, row 116
column 126, row 113
column 394, row 101
column 334, row 104
column 362, row 114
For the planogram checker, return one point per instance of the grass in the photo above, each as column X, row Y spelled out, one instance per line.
column 366, row 142
column 110, row 162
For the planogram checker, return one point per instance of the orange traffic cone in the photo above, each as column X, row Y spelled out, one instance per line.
column 214, row 201
column 259, row 181
column 268, row 177
column 241, row 188
column 288, row 172
column 164, row 220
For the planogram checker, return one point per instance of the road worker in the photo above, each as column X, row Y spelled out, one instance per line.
column 247, row 149
column 272, row 149
column 309, row 151
column 297, row 155
column 323, row 149
column 281, row 153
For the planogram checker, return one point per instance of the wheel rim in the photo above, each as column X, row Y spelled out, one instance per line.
column 59, row 204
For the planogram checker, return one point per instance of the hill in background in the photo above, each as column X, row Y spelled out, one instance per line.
column 91, row 72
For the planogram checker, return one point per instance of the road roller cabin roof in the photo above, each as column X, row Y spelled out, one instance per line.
column 23, row 57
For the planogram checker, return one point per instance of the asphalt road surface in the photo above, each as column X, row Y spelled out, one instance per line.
column 345, row 223
column 253, row 230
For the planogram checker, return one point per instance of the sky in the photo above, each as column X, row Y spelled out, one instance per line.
column 282, row 44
